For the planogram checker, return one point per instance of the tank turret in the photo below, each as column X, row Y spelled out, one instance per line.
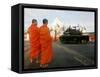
column 73, row 35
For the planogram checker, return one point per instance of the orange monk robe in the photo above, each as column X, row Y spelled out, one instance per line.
column 46, row 45
column 34, row 41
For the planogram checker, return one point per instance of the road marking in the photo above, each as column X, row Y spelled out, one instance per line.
column 84, row 61
column 77, row 56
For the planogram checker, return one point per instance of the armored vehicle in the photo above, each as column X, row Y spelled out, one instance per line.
column 74, row 36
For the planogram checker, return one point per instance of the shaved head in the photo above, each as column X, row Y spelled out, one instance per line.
column 34, row 21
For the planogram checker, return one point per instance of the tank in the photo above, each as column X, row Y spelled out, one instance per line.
column 74, row 36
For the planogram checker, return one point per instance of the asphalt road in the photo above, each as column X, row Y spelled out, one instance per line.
column 65, row 55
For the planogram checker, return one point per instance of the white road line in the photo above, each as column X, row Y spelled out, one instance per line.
column 77, row 56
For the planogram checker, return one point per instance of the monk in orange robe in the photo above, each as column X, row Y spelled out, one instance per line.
column 34, row 41
column 46, row 45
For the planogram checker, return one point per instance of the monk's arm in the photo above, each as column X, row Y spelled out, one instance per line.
column 27, row 31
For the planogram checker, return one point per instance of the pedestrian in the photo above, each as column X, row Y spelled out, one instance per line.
column 33, row 31
column 46, row 45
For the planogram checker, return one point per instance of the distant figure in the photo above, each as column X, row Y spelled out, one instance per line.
column 34, row 41
column 46, row 45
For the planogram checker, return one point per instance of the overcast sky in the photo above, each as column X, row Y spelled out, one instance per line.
column 67, row 17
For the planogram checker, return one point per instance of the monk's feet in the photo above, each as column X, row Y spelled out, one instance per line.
column 43, row 65
column 31, row 60
column 37, row 61
column 34, row 60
